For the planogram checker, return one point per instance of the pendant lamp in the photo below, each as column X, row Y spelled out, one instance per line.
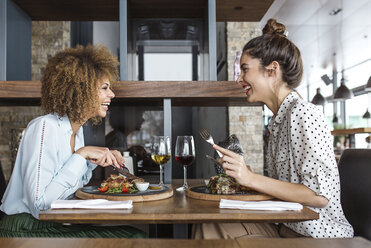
column 366, row 115
column 318, row 99
column 342, row 93
column 368, row 85
column 335, row 119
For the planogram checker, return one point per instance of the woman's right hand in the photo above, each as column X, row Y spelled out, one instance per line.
column 234, row 166
column 101, row 156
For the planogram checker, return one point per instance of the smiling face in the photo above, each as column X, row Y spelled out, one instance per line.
column 254, row 79
column 105, row 95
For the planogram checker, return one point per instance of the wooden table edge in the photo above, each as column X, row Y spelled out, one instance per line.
column 85, row 216
column 356, row 242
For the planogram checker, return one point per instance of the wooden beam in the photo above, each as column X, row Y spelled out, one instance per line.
column 20, row 89
column 108, row 10
column 182, row 93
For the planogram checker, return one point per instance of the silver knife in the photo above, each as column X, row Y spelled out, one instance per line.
column 125, row 171
column 213, row 159
column 216, row 161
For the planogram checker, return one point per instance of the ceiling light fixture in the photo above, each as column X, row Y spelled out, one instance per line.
column 318, row 99
column 366, row 115
column 368, row 85
column 335, row 11
column 335, row 119
column 343, row 93
column 326, row 79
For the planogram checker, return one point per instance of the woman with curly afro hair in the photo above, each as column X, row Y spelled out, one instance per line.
column 52, row 160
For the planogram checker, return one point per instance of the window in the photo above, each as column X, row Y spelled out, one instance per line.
column 358, row 75
column 355, row 108
column 168, row 66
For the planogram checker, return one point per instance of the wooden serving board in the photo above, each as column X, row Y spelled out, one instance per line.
column 153, row 196
column 194, row 192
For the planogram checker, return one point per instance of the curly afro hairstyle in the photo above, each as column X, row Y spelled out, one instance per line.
column 71, row 79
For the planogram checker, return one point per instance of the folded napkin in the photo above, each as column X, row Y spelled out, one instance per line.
column 260, row 205
column 92, row 204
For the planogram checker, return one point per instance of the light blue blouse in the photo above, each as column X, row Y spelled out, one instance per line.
column 46, row 169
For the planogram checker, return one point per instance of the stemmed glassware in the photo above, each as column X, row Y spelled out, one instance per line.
column 185, row 155
column 161, row 153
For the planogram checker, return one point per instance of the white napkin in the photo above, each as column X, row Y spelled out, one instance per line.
column 260, row 205
column 92, row 204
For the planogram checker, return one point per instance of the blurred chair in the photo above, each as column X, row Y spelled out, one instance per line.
column 355, row 181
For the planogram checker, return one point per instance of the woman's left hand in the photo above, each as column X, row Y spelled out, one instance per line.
column 234, row 166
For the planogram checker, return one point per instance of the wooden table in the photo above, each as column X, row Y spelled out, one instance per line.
column 175, row 210
column 357, row 242
column 350, row 133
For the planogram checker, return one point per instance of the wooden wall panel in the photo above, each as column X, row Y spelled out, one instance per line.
column 108, row 10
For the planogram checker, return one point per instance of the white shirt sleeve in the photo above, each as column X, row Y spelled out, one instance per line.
column 87, row 176
column 44, row 179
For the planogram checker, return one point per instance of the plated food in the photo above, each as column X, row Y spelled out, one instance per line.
column 225, row 185
column 119, row 184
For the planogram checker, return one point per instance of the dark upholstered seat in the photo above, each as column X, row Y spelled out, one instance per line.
column 355, row 180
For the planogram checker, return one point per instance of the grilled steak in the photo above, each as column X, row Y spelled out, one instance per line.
column 224, row 185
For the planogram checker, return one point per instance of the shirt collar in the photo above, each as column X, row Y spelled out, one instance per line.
column 285, row 106
column 64, row 123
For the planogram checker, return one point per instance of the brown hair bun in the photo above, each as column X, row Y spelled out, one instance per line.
column 274, row 28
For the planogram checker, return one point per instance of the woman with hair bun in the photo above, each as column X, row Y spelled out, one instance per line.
column 300, row 158
column 52, row 160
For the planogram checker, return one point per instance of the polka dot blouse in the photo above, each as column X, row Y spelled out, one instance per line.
column 300, row 150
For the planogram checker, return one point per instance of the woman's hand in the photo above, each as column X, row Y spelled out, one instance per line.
column 102, row 156
column 234, row 166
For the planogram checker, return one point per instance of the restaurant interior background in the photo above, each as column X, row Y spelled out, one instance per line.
column 333, row 36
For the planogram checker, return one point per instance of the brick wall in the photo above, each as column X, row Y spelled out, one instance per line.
column 245, row 122
column 12, row 122
column 47, row 39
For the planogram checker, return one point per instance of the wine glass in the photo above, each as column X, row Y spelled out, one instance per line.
column 185, row 155
column 161, row 153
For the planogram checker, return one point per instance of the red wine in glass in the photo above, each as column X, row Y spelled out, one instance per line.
column 185, row 160
column 185, row 155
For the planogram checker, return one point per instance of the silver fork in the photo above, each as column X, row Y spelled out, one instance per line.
column 209, row 139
